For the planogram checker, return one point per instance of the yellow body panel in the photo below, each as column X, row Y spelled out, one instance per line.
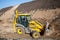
column 35, row 26
column 22, row 15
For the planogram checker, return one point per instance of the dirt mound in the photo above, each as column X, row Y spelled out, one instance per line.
column 4, row 10
column 56, row 23
column 44, row 9
column 6, row 20
column 39, row 4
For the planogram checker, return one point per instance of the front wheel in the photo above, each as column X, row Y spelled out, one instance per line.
column 35, row 34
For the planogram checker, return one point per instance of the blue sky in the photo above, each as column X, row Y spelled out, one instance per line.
column 6, row 3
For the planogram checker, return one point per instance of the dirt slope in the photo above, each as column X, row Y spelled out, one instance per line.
column 43, row 9
column 3, row 10
column 39, row 4
column 7, row 20
column 56, row 23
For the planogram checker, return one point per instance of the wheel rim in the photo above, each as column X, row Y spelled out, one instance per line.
column 36, row 35
column 19, row 31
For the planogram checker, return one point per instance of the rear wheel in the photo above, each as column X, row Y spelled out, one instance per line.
column 20, row 30
column 35, row 34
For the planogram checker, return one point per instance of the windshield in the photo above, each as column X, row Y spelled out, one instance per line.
column 21, row 18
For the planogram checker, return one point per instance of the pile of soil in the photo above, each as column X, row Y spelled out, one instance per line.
column 39, row 4
column 3, row 10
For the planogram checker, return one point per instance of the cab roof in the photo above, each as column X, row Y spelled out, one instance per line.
column 24, row 14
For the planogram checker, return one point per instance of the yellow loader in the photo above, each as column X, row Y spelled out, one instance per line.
column 24, row 24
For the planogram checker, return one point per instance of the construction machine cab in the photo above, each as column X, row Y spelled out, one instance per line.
column 23, row 19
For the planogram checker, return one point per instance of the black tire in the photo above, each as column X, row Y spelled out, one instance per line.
column 42, row 32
